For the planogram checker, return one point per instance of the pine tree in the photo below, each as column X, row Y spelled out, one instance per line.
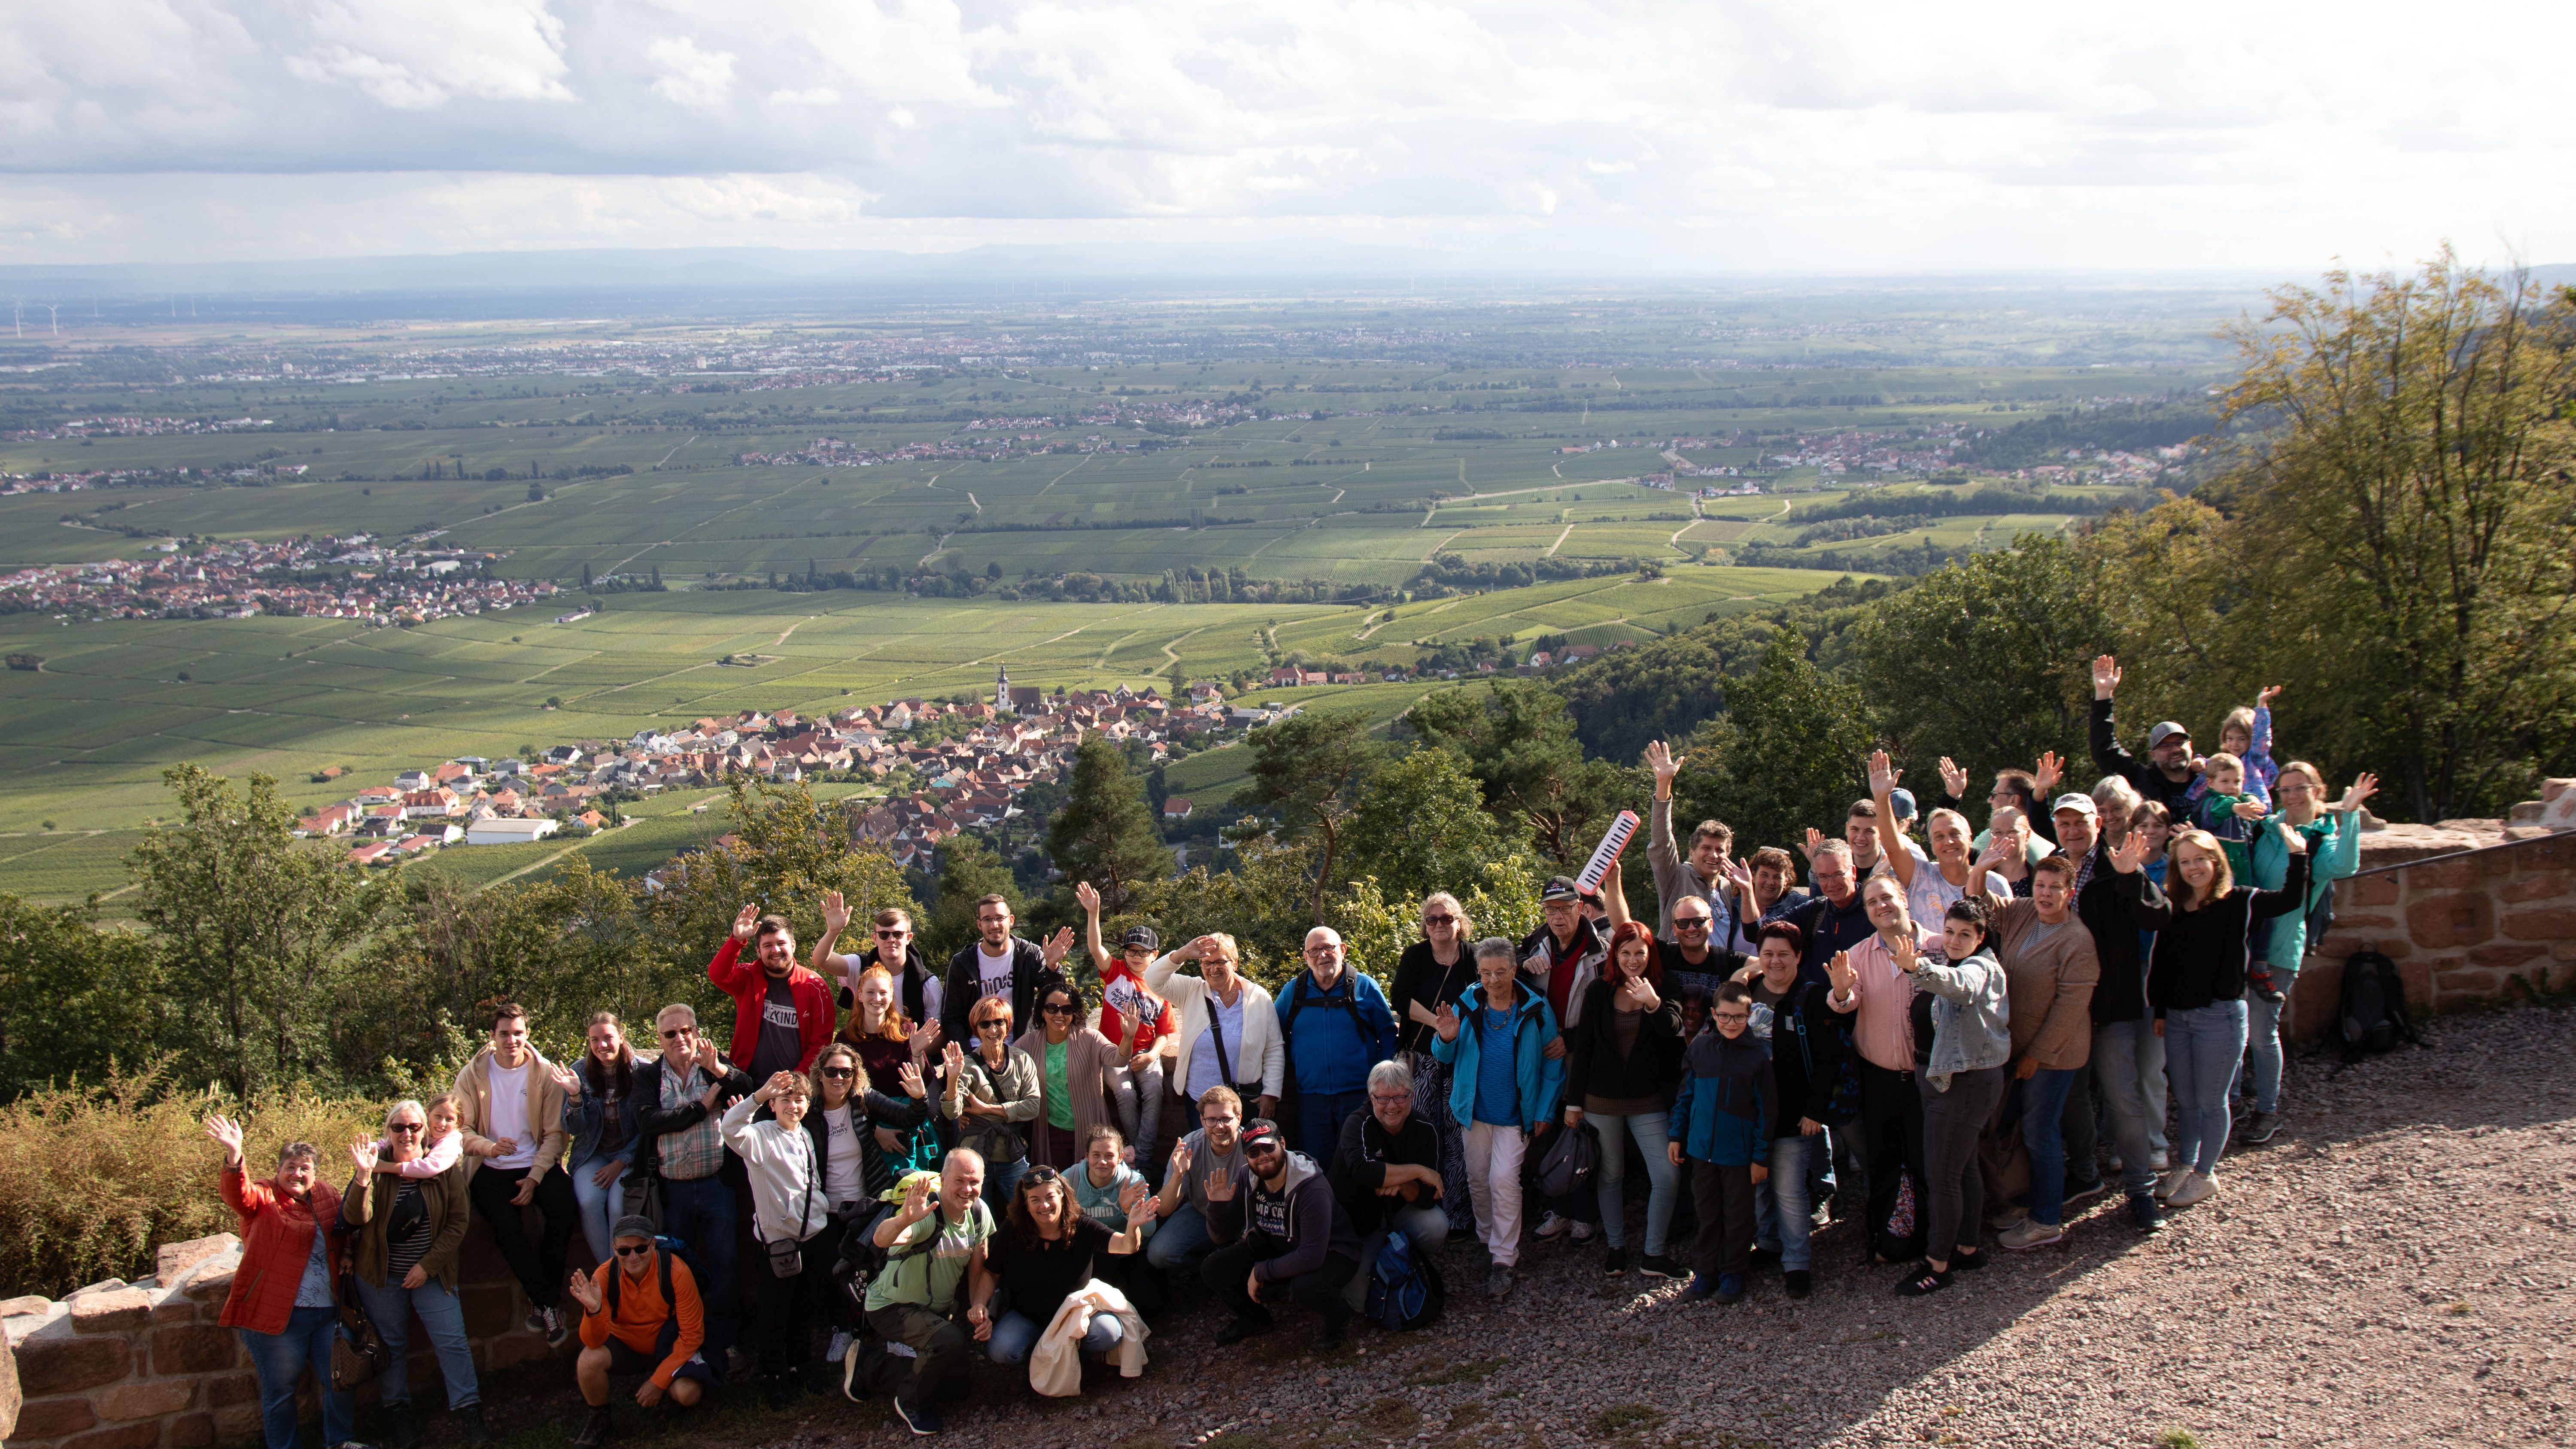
column 1105, row 833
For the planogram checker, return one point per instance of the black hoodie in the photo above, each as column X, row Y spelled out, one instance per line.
column 1303, row 1217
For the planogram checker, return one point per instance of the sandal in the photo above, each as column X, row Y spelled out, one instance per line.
column 1923, row 1283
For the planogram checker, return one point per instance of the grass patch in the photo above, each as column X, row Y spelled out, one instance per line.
column 1620, row 1419
column 1390, row 1416
column 1464, row 1371
column 2178, row 1439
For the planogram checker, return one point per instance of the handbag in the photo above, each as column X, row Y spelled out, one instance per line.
column 358, row 1353
column 1571, row 1162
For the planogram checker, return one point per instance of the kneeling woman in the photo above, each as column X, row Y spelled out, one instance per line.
column 1042, row 1256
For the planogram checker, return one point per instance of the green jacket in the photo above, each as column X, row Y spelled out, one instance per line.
column 2334, row 852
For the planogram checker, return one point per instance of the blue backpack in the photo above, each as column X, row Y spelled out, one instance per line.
column 1404, row 1290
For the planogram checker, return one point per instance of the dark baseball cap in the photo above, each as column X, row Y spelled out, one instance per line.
column 1259, row 1132
column 1560, row 888
column 1139, row 936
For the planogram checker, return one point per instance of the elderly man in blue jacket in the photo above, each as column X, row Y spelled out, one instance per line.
column 1336, row 1025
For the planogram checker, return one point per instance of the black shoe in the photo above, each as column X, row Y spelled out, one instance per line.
column 400, row 1431
column 1238, row 1330
column 1614, row 1262
column 470, row 1420
column 1922, row 1282
column 2145, row 1213
column 1766, row 1258
column 1661, row 1265
column 595, row 1432
column 2260, row 1127
column 2085, row 1191
column 1461, row 1235
column 1967, row 1262
column 919, row 1418
column 775, row 1392
column 1794, row 1282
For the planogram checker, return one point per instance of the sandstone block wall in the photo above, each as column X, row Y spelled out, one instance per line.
column 2462, row 907
column 145, row 1366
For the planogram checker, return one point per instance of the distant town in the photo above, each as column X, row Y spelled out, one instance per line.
column 355, row 577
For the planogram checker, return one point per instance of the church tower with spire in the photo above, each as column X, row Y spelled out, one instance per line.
column 1002, row 691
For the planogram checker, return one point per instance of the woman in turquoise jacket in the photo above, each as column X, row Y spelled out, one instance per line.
column 2334, row 852
column 1505, row 1104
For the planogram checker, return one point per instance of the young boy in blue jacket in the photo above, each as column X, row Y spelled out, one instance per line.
column 1722, row 1124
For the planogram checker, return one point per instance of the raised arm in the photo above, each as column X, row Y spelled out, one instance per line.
column 836, row 919
column 1090, row 900
column 1891, row 846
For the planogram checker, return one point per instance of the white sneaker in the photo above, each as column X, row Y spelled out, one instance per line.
column 2197, row 1187
column 2172, row 1183
column 1550, row 1225
column 1583, row 1232
column 2160, row 1160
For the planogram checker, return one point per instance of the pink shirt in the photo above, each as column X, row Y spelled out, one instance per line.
column 1883, row 1029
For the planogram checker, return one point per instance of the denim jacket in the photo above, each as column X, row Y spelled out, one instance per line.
column 585, row 1120
column 1971, row 1015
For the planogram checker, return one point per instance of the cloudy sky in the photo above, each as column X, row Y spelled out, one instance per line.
column 1716, row 136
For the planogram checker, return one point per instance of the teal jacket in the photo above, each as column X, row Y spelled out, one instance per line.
column 2334, row 852
column 1538, row 1079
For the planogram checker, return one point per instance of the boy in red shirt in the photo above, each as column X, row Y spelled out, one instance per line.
column 1136, row 1019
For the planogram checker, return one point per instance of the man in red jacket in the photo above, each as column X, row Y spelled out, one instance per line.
column 782, row 1013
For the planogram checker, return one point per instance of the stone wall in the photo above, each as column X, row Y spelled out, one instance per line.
column 2462, row 907
column 145, row 1366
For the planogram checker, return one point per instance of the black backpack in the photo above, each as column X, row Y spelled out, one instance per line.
column 2372, row 1014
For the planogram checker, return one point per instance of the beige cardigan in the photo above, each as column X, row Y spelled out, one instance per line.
column 1055, row 1364
column 1088, row 1059
column 473, row 1096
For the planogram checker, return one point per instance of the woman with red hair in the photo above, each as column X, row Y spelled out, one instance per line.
column 1621, row 1060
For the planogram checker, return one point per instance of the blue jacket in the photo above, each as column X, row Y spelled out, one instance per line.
column 1327, row 1050
column 1539, row 1080
column 1723, row 1114
column 585, row 1121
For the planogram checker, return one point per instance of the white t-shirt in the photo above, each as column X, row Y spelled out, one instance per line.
column 510, row 1112
column 992, row 972
column 1931, row 895
column 841, row 1174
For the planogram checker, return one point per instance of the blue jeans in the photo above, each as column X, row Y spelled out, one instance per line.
column 2125, row 1055
column 1320, row 1116
column 701, row 1214
column 2202, row 1046
column 1001, row 1179
column 392, row 1306
column 2043, row 1131
column 2263, row 1035
column 1783, row 1199
column 1015, row 1335
column 600, row 1207
column 1181, row 1241
column 280, row 1360
column 1662, row 1177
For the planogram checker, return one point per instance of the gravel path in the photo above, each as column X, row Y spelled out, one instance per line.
column 2399, row 1265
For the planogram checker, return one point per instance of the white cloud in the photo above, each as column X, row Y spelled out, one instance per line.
column 1804, row 133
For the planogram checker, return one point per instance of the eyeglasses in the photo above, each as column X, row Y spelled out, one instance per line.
column 404, row 1127
column 677, row 1032
column 1392, row 1100
column 1439, row 920
column 1321, row 951
column 645, row 1251
column 836, row 1074
column 1735, row 1016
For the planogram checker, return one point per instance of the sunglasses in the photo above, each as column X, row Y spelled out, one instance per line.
column 994, row 1023
column 1690, row 923
column 679, row 1032
column 1038, row 1176
column 1058, row 1008
column 1259, row 1149
column 404, row 1127
column 1439, row 920
column 645, row 1251
column 837, row 1074
column 884, row 934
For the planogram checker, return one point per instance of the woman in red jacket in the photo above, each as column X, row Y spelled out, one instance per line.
column 281, row 1299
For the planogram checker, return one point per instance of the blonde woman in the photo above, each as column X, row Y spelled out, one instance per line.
column 2196, row 984
column 1432, row 973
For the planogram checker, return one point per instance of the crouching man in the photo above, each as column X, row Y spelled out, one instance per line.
column 639, row 1314
column 1276, row 1222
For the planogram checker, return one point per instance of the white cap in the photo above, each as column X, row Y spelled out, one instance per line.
column 2074, row 801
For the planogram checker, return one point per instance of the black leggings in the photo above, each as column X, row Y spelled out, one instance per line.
column 1954, row 1195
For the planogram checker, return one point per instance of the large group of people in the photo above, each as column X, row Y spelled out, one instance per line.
column 917, row 1165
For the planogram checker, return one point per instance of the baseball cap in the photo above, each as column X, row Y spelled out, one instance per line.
column 1258, row 1132
column 1902, row 802
column 1139, row 936
column 2164, row 730
column 2080, row 803
column 633, row 1225
column 1560, row 888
